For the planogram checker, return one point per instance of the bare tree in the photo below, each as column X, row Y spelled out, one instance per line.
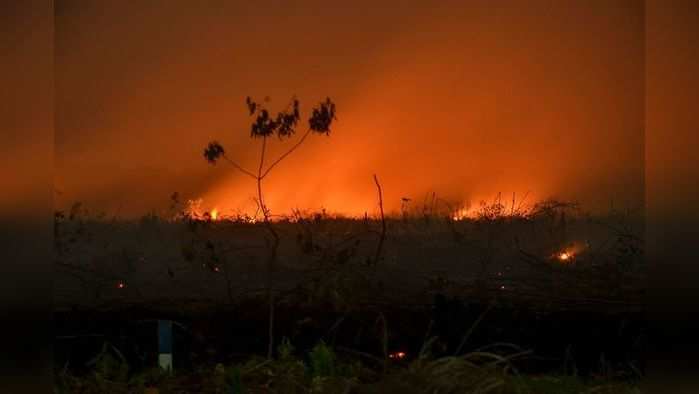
column 283, row 125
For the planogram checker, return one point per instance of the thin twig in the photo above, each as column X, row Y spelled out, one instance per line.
column 335, row 326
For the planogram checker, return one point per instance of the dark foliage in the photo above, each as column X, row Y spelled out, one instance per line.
column 213, row 152
column 283, row 124
column 322, row 117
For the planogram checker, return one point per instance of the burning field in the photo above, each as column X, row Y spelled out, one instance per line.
column 550, row 278
column 341, row 226
column 543, row 269
column 551, row 252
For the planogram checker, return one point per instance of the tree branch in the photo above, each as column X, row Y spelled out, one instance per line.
column 241, row 169
column 282, row 157
column 262, row 156
column 259, row 180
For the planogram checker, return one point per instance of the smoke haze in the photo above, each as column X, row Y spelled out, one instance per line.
column 466, row 99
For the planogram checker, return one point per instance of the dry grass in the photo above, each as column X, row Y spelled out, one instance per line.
column 156, row 258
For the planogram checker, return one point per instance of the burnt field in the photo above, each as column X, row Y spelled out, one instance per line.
column 562, row 288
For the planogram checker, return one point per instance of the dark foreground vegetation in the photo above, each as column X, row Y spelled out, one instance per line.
column 542, row 300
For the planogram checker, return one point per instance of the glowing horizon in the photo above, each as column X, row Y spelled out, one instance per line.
column 465, row 100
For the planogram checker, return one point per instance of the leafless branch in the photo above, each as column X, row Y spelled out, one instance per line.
column 282, row 157
column 241, row 169
column 379, row 247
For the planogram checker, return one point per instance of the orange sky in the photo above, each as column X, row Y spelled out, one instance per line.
column 463, row 98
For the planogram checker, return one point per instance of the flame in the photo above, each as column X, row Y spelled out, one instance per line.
column 459, row 215
column 120, row 285
column 572, row 252
column 397, row 355
column 193, row 208
column 248, row 212
column 565, row 256
column 463, row 214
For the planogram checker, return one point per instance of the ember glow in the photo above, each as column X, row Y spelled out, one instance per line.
column 571, row 252
column 461, row 214
column 397, row 355
column 564, row 256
